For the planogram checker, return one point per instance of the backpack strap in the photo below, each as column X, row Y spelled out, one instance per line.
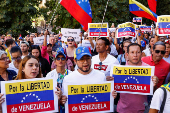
column 164, row 100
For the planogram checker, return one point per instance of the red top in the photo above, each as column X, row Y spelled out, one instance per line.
column 161, row 68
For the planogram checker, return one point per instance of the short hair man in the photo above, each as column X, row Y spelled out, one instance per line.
column 24, row 45
column 84, row 74
column 156, row 59
column 16, row 58
column 133, row 103
column 9, row 43
column 53, row 42
column 103, row 61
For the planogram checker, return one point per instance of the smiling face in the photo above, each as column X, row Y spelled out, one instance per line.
column 31, row 68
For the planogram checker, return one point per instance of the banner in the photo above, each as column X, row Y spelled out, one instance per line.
column 112, row 29
column 66, row 32
column 88, row 98
column 144, row 28
column 29, row 96
column 133, row 79
column 164, row 25
column 126, row 30
column 96, row 28
column 138, row 19
column 40, row 40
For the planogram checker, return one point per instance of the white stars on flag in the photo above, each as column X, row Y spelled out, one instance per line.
column 131, row 78
column 27, row 95
column 89, row 96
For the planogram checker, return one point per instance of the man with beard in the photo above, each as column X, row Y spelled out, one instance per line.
column 24, row 48
column 84, row 74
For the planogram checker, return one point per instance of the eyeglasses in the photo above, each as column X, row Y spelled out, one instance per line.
column 158, row 51
column 100, row 67
column 70, row 40
column 62, row 58
column 82, row 60
column 5, row 58
column 17, row 58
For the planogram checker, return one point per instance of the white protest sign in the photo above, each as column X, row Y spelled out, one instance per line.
column 40, row 40
column 70, row 32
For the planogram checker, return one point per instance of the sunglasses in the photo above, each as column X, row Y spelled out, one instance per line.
column 17, row 58
column 158, row 51
column 100, row 67
column 70, row 40
column 62, row 58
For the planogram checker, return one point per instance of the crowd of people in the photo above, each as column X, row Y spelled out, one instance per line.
column 89, row 61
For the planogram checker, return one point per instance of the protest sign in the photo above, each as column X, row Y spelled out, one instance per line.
column 134, row 19
column 144, row 28
column 29, row 96
column 66, row 32
column 96, row 28
column 133, row 79
column 40, row 40
column 126, row 30
column 164, row 25
column 138, row 19
column 87, row 98
column 112, row 29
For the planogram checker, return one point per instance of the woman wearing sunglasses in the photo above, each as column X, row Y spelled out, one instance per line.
column 61, row 67
column 70, row 50
column 16, row 58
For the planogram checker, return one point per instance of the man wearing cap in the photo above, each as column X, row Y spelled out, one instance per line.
column 84, row 74
column 24, row 45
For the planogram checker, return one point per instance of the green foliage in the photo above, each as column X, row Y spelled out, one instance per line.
column 117, row 12
column 16, row 16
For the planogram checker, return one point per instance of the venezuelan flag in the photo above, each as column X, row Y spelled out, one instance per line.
column 136, row 80
column 37, row 96
column 152, row 5
column 140, row 10
column 89, row 98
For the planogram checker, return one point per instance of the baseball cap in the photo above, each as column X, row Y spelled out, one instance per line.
column 80, row 52
column 143, row 43
column 60, row 51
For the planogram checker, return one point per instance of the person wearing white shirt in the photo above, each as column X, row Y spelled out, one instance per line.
column 113, row 47
column 60, row 72
column 16, row 58
column 103, row 61
column 84, row 74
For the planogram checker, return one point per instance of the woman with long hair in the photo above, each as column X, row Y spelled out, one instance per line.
column 45, row 66
column 30, row 68
column 70, row 50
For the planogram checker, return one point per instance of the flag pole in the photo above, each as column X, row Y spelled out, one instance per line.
column 103, row 17
column 53, row 14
